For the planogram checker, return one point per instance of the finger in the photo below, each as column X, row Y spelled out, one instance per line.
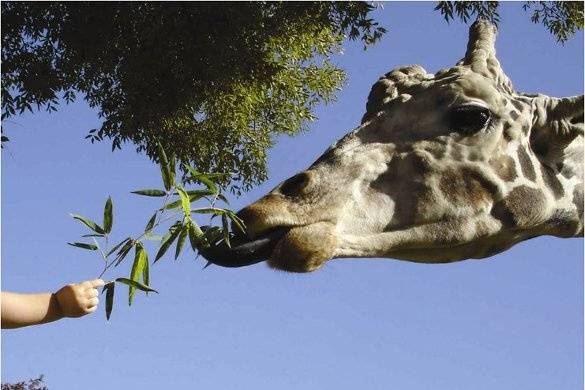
column 91, row 293
column 91, row 309
column 92, row 302
column 96, row 283
column 86, row 284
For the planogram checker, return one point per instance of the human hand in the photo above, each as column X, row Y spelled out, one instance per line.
column 76, row 300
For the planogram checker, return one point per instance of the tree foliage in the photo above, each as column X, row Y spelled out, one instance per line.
column 31, row 384
column 561, row 18
column 212, row 82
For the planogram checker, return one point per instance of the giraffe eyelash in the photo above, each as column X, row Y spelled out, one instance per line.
column 468, row 119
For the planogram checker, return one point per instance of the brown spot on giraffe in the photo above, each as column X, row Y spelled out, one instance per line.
column 526, row 164
column 464, row 188
column 524, row 206
column 504, row 167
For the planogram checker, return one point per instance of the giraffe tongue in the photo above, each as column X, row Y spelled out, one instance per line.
column 243, row 252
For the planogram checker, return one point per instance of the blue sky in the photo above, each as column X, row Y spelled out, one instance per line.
column 514, row 321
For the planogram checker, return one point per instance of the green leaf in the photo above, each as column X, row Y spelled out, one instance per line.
column 146, row 273
column 195, row 233
column 92, row 235
column 157, row 193
column 201, row 178
column 89, row 223
column 181, row 240
column 164, row 167
column 150, row 223
column 198, row 194
column 236, row 220
column 222, row 198
column 116, row 247
column 140, row 260
column 108, row 215
column 152, row 237
column 185, row 202
column 167, row 241
column 172, row 165
column 123, row 252
column 83, row 245
column 172, row 205
column 226, row 230
column 135, row 284
column 109, row 288
column 209, row 210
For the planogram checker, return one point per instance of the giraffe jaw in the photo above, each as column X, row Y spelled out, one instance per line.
column 300, row 248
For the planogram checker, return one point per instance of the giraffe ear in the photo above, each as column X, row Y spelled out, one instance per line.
column 557, row 122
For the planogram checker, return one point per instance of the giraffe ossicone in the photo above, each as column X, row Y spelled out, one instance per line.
column 443, row 167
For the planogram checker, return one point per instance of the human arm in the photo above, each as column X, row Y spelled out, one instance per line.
column 72, row 300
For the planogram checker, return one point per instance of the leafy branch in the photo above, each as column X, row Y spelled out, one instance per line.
column 177, row 206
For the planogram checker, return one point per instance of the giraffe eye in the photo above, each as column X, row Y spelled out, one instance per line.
column 468, row 119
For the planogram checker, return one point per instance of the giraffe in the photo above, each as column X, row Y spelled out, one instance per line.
column 442, row 168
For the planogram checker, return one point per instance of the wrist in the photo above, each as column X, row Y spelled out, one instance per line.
column 55, row 305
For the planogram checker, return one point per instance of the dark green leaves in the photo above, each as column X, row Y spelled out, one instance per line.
column 181, row 240
column 117, row 246
column 186, row 226
column 203, row 179
column 168, row 179
column 225, row 105
column 108, row 215
column 83, row 245
column 89, row 223
column 136, row 285
column 150, row 223
column 109, row 289
column 167, row 241
column 157, row 193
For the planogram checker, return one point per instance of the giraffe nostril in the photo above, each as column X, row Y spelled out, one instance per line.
column 295, row 185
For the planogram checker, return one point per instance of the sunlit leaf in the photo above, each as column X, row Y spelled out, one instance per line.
column 146, row 273
column 152, row 237
column 108, row 215
column 135, row 284
column 140, row 260
column 209, row 210
column 198, row 194
column 157, row 193
column 194, row 234
column 185, row 202
column 89, row 223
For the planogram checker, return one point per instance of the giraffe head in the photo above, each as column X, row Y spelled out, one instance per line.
column 443, row 167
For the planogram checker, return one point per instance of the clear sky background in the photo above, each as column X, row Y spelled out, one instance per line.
column 514, row 321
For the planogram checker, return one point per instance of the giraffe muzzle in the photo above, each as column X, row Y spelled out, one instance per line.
column 242, row 251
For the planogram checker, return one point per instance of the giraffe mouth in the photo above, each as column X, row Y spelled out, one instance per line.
column 243, row 251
